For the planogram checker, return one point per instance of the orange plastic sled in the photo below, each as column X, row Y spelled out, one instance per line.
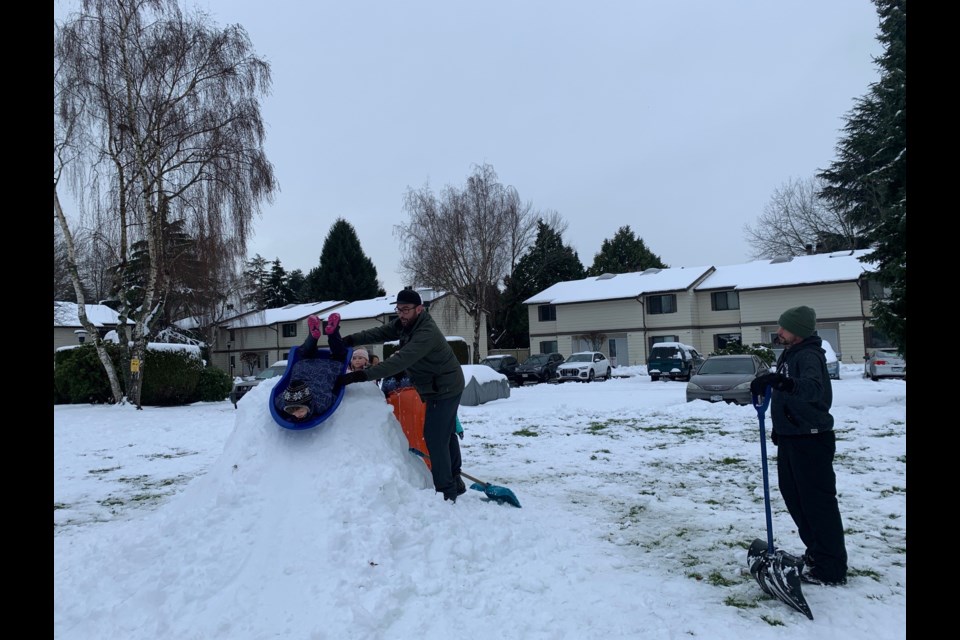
column 411, row 411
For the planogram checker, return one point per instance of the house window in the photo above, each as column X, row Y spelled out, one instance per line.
column 655, row 339
column 725, row 300
column 546, row 313
column 232, row 338
column 874, row 290
column 723, row 340
column 289, row 329
column 662, row 304
column 548, row 346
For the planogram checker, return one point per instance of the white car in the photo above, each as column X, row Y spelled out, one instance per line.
column 585, row 366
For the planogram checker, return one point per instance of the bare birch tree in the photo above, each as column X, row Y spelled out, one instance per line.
column 464, row 241
column 170, row 130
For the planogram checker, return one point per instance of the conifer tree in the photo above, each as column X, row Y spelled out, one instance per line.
column 625, row 253
column 868, row 180
column 255, row 278
column 278, row 292
column 548, row 262
column 345, row 272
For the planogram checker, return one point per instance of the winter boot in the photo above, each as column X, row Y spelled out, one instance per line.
column 333, row 323
column 313, row 322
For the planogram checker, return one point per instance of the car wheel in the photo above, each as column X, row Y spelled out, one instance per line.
column 609, row 374
column 590, row 376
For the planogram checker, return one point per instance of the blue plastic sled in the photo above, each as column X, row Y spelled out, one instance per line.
column 320, row 374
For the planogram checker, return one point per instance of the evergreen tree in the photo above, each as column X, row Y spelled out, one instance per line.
column 278, row 292
column 868, row 180
column 255, row 282
column 298, row 283
column 625, row 253
column 548, row 262
column 344, row 272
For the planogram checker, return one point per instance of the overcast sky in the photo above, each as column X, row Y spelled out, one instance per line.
column 676, row 118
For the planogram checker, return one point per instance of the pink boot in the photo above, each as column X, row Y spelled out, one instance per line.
column 314, row 323
column 333, row 322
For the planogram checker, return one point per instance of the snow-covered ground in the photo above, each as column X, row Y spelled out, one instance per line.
column 637, row 510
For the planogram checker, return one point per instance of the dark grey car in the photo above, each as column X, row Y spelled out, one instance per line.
column 540, row 367
column 725, row 379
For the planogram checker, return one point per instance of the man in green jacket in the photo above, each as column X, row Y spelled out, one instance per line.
column 437, row 375
column 803, row 431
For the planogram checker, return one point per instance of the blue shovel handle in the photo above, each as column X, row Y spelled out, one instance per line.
column 761, row 410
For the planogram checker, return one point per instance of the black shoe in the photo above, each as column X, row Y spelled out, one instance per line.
column 812, row 577
column 461, row 487
column 452, row 497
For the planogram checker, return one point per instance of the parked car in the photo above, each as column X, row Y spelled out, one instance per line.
column 673, row 360
column 539, row 367
column 241, row 388
column 585, row 366
column 884, row 363
column 507, row 365
column 833, row 361
column 726, row 378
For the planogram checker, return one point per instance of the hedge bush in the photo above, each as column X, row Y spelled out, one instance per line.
column 213, row 385
column 170, row 378
column 78, row 375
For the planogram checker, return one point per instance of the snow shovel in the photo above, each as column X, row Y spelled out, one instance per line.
column 777, row 572
column 498, row 494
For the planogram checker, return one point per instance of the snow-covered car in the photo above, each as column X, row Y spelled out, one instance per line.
column 833, row 362
column 673, row 360
column 585, row 366
column 241, row 387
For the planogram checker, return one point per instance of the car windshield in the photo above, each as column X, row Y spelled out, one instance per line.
column 270, row 372
column 723, row 365
column 536, row 360
column 581, row 357
column 496, row 363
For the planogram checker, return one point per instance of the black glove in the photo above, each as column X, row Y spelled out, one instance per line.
column 349, row 378
column 773, row 437
column 778, row 381
column 348, row 341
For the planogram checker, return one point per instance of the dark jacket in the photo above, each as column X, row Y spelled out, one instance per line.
column 424, row 352
column 806, row 409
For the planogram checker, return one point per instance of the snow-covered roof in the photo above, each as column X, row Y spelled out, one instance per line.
column 289, row 313
column 359, row 309
column 620, row 285
column 65, row 314
column 839, row 266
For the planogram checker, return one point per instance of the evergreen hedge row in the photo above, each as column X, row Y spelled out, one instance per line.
column 171, row 377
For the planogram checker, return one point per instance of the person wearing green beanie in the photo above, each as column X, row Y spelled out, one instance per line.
column 803, row 432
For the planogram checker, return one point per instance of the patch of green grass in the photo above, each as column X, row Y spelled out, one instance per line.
column 696, row 576
column 711, row 501
column 526, row 432
column 716, row 579
column 731, row 461
column 885, row 493
column 97, row 472
column 60, row 505
column 733, row 601
column 175, row 454
column 866, row 573
column 773, row 622
column 902, row 459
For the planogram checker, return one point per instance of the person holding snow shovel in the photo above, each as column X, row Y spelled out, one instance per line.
column 803, row 432
column 435, row 372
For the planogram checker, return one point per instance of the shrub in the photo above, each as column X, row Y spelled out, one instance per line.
column 213, row 385
column 78, row 375
column 170, row 378
column 762, row 351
